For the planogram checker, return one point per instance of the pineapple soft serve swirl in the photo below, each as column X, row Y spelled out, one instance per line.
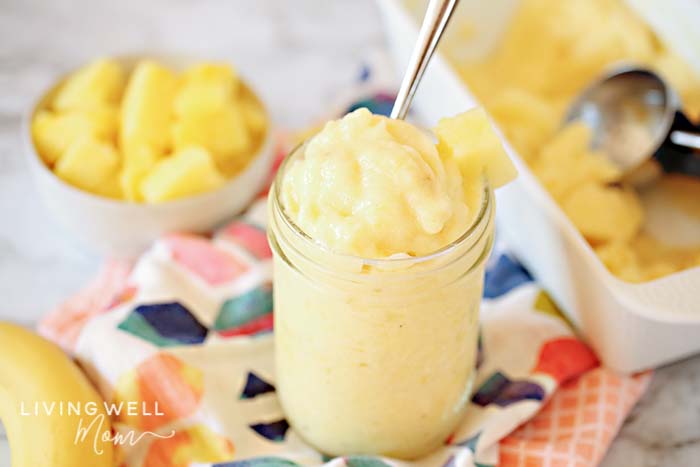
column 375, row 187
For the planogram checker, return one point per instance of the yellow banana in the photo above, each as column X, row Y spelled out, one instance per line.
column 53, row 416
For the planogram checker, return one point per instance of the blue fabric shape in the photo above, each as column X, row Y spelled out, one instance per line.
column 502, row 391
column 274, row 431
column 165, row 324
column 254, row 386
column 504, row 276
column 259, row 462
column 242, row 309
column 365, row 73
column 378, row 104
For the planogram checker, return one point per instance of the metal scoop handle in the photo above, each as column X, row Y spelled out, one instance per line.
column 685, row 138
column 680, row 152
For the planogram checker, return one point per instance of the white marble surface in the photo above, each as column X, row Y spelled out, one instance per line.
column 301, row 53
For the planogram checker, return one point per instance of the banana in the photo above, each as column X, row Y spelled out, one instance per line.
column 53, row 416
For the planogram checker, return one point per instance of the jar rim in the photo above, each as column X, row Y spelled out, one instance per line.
column 380, row 263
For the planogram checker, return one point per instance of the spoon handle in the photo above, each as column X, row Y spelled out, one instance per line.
column 436, row 17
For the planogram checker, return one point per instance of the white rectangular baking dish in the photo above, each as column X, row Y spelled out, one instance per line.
column 631, row 326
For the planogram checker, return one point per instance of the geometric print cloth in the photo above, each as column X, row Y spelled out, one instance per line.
column 189, row 326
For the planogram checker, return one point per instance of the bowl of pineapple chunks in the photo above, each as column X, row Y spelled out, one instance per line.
column 124, row 150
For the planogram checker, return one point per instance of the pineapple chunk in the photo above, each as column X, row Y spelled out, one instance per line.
column 138, row 162
column 54, row 133
column 88, row 163
column 213, row 73
column 147, row 107
column 206, row 88
column 105, row 122
column 97, row 84
column 604, row 213
column 111, row 187
column 254, row 115
column 224, row 134
column 188, row 172
column 471, row 140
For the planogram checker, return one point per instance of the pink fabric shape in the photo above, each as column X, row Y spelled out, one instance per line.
column 64, row 323
column 576, row 426
column 201, row 258
column 252, row 238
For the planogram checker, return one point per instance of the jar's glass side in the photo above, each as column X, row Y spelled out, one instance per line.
column 377, row 359
column 356, row 375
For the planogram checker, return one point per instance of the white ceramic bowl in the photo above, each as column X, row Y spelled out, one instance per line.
column 121, row 228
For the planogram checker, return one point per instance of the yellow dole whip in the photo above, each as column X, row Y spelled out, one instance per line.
column 37, row 383
column 529, row 103
column 380, row 237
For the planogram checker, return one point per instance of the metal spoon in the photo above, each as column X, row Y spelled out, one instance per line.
column 436, row 18
column 636, row 120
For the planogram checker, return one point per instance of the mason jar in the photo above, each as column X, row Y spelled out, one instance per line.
column 375, row 356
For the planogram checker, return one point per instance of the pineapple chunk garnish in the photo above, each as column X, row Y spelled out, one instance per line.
column 471, row 140
column 88, row 163
column 206, row 89
column 98, row 84
column 147, row 107
column 54, row 133
column 224, row 134
column 188, row 172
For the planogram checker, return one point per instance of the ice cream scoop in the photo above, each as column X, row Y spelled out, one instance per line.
column 636, row 119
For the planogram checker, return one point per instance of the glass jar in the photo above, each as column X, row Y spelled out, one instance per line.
column 375, row 356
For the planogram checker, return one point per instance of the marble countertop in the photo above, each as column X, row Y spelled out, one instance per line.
column 301, row 54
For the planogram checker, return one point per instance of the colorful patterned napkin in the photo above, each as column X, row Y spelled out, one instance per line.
column 189, row 326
